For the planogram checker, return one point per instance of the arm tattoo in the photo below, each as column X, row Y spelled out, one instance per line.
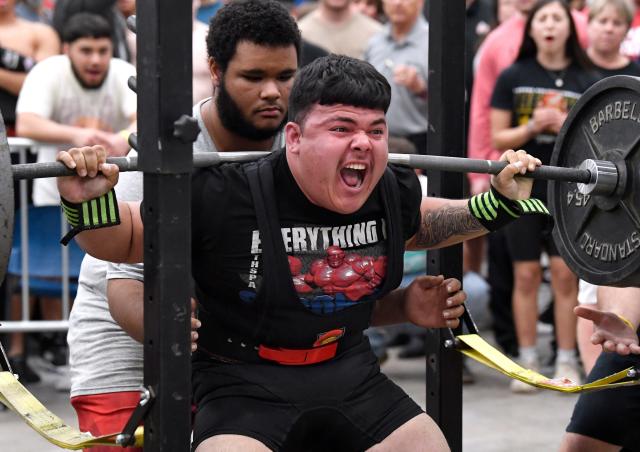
column 445, row 222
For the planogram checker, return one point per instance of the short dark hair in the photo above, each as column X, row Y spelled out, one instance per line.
column 338, row 79
column 261, row 22
column 85, row 25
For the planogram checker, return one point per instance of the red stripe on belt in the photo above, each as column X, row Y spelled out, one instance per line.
column 298, row 357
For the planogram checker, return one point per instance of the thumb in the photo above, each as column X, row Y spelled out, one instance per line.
column 592, row 314
column 110, row 171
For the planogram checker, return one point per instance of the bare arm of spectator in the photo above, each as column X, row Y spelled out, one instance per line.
column 117, row 144
column 44, row 43
column 47, row 42
column 39, row 128
column 126, row 305
column 12, row 81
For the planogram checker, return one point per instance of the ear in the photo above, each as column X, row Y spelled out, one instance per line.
column 292, row 136
column 214, row 71
column 65, row 48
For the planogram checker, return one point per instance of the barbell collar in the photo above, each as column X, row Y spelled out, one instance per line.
column 604, row 178
column 426, row 162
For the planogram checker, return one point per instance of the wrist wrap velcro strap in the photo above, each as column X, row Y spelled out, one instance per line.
column 96, row 213
column 493, row 210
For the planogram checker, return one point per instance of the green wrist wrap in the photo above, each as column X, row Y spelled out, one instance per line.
column 493, row 210
column 96, row 213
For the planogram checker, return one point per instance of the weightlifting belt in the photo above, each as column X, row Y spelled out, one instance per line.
column 298, row 357
column 221, row 345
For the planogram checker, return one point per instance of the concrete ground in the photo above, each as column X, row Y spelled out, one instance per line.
column 494, row 419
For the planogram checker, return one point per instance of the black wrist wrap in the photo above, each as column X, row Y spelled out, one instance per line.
column 96, row 213
column 494, row 210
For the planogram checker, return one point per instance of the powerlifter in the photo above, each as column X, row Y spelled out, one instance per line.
column 294, row 256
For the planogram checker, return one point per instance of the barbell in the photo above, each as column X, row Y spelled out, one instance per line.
column 597, row 225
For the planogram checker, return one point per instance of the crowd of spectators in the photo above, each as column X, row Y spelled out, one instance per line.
column 526, row 64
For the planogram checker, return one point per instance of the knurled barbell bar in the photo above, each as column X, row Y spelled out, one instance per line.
column 594, row 177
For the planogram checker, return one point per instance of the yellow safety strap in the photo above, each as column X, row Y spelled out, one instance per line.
column 477, row 348
column 48, row 425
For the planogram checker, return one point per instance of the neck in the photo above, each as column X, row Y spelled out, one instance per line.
column 399, row 31
column 607, row 60
column 223, row 138
column 335, row 15
column 553, row 61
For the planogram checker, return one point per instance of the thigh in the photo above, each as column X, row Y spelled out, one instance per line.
column 524, row 238
column 418, row 434
column 378, row 409
column 232, row 408
column 231, row 443
column 610, row 416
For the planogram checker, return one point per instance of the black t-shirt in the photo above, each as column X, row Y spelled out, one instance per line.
column 525, row 85
column 227, row 250
column 632, row 68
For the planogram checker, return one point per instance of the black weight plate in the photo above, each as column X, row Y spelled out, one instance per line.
column 599, row 237
column 6, row 201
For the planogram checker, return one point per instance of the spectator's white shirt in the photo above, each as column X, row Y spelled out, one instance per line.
column 52, row 91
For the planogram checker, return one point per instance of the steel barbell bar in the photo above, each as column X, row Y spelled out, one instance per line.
column 595, row 177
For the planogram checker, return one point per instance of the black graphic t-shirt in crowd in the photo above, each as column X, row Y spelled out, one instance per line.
column 632, row 69
column 336, row 262
column 525, row 85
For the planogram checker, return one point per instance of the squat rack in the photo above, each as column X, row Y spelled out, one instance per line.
column 164, row 87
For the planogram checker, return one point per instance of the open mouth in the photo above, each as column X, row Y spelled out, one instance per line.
column 353, row 174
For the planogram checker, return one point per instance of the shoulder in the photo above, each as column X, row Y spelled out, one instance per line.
column 52, row 66
column 520, row 68
column 309, row 20
column 367, row 23
column 42, row 32
column 407, row 179
column 122, row 67
column 495, row 38
column 379, row 38
column 633, row 68
column 218, row 177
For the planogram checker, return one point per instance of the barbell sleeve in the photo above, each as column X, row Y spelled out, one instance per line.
column 425, row 162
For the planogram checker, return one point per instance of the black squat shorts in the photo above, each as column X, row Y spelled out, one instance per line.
column 345, row 404
column 613, row 415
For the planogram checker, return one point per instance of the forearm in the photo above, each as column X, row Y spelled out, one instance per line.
column 621, row 301
column 121, row 243
column 126, row 305
column 390, row 309
column 12, row 81
column 31, row 125
column 445, row 222
column 511, row 138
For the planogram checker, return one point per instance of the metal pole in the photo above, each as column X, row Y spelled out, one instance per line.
column 164, row 30
column 446, row 117
column 24, row 242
